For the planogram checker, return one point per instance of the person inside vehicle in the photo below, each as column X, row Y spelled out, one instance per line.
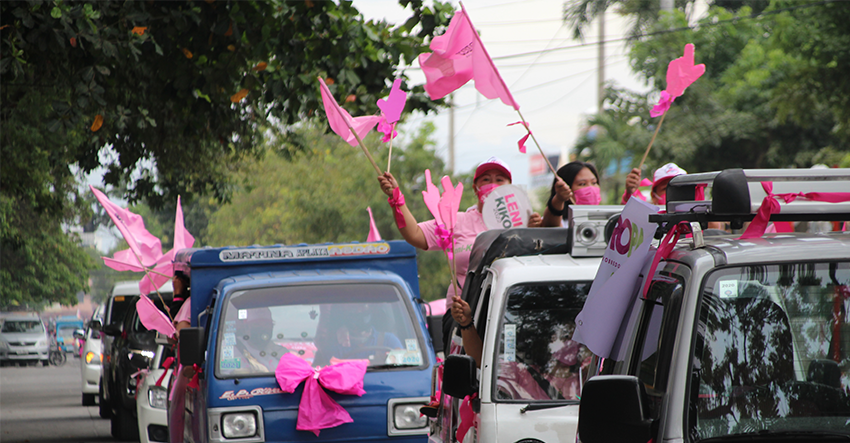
column 661, row 178
column 357, row 338
column 576, row 183
column 181, row 307
column 255, row 349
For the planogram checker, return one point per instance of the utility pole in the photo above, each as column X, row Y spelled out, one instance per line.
column 667, row 5
column 600, row 90
column 451, row 134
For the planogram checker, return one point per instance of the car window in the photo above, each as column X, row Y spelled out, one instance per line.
column 773, row 350
column 321, row 324
column 537, row 358
column 120, row 304
column 25, row 326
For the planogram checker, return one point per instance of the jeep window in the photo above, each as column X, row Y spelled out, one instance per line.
column 656, row 332
column 320, row 323
column 773, row 350
column 538, row 360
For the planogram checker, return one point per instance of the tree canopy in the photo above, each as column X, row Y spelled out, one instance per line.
column 165, row 98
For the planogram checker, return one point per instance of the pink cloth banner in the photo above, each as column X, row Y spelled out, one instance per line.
column 153, row 318
column 317, row 410
column 613, row 287
column 145, row 247
column 770, row 205
column 460, row 56
column 339, row 119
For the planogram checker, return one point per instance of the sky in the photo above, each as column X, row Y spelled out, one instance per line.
column 552, row 76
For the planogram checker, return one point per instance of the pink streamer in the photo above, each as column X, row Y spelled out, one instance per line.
column 664, row 248
column 317, row 410
column 663, row 105
column 521, row 142
column 397, row 201
column 467, row 416
column 770, row 206
column 167, row 366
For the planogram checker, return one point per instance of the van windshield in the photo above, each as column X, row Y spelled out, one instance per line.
column 538, row 360
column 320, row 323
column 29, row 326
column 773, row 350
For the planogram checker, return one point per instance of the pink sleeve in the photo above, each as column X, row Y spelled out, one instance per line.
column 185, row 312
column 429, row 229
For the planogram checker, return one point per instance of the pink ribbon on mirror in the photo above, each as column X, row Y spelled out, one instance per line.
column 167, row 366
column 770, row 205
column 317, row 410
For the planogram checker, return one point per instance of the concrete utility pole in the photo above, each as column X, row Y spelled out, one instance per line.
column 600, row 89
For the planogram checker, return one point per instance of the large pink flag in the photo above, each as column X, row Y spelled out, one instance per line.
column 145, row 247
column 152, row 318
column 459, row 55
column 337, row 118
column 164, row 267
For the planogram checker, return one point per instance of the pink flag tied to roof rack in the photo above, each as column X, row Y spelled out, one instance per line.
column 153, row 318
column 317, row 410
column 374, row 235
column 145, row 248
column 460, row 56
column 337, row 118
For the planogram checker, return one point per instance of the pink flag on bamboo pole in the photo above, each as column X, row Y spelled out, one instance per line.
column 153, row 318
column 144, row 246
column 374, row 235
column 460, row 56
column 339, row 119
column 164, row 267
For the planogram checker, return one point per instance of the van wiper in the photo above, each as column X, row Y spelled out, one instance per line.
column 394, row 365
column 772, row 436
column 547, row 405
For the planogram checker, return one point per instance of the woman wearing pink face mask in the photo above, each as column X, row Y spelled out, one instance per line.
column 489, row 175
column 577, row 183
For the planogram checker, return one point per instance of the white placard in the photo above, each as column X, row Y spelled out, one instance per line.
column 506, row 207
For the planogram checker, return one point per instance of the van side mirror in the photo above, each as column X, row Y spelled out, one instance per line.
column 459, row 378
column 139, row 361
column 614, row 408
column 95, row 325
column 79, row 333
column 192, row 346
column 112, row 330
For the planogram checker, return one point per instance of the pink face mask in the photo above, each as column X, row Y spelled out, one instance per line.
column 588, row 195
column 485, row 190
column 660, row 199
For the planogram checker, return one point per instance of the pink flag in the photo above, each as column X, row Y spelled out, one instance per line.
column 164, row 266
column 374, row 235
column 459, row 55
column 144, row 246
column 340, row 119
column 681, row 72
column 153, row 318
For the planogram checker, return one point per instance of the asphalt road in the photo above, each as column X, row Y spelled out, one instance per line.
column 44, row 405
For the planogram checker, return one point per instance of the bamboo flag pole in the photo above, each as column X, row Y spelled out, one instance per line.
column 390, row 156
column 652, row 140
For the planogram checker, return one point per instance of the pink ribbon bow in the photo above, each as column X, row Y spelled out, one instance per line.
column 194, row 382
column 167, row 366
column 317, row 410
column 397, row 201
column 770, row 206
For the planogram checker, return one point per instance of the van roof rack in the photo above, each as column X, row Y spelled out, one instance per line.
column 737, row 194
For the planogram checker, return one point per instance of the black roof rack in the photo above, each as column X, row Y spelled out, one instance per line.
column 737, row 194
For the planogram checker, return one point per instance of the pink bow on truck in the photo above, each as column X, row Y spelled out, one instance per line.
column 317, row 409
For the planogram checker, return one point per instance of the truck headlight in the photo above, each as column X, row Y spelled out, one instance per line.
column 407, row 416
column 157, row 396
column 239, row 425
column 91, row 356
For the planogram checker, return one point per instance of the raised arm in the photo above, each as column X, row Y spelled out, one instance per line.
column 411, row 232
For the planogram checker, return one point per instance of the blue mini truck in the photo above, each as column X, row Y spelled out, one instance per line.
column 324, row 303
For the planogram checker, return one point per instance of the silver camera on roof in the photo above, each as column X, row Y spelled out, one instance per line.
column 587, row 223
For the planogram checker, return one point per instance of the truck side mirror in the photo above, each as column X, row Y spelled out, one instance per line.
column 435, row 330
column 139, row 361
column 112, row 330
column 614, row 408
column 192, row 346
column 95, row 325
column 459, row 376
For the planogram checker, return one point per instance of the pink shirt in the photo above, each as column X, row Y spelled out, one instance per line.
column 467, row 227
column 185, row 312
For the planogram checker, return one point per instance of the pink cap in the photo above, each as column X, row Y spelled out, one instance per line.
column 665, row 173
column 492, row 163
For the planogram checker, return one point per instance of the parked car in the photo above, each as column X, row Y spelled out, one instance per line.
column 114, row 309
column 91, row 356
column 152, row 397
column 23, row 339
column 133, row 347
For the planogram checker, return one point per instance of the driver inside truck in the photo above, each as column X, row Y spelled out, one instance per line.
column 357, row 338
column 255, row 348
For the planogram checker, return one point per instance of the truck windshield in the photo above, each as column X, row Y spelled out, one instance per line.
column 538, row 360
column 773, row 350
column 321, row 323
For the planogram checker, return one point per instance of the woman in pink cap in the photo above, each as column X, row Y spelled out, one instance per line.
column 489, row 175
column 662, row 176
